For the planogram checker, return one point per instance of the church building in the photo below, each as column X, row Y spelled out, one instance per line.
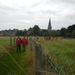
column 49, row 25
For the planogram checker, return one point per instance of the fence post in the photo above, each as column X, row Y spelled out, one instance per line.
column 10, row 40
column 36, row 60
column 27, row 37
column 14, row 40
column 30, row 43
column 43, row 65
column 40, row 56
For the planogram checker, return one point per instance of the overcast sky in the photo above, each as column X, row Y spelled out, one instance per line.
column 23, row 14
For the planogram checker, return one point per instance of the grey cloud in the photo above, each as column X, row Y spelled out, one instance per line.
column 36, row 4
column 9, row 14
column 61, row 1
column 30, row 12
column 27, row 16
column 68, row 1
column 6, row 10
column 49, row 12
column 70, row 16
column 4, row 7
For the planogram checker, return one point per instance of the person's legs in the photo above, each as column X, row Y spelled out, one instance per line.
column 24, row 47
column 17, row 48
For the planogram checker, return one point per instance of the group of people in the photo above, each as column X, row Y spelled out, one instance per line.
column 48, row 38
column 20, row 41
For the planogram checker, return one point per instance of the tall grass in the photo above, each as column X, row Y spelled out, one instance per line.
column 29, row 62
column 62, row 53
column 3, row 42
column 12, row 62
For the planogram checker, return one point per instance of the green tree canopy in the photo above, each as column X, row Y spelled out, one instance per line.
column 71, row 28
column 63, row 31
column 36, row 30
column 20, row 33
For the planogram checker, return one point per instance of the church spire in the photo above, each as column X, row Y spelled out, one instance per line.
column 49, row 25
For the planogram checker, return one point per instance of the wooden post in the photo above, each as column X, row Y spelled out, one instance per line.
column 14, row 39
column 36, row 61
column 30, row 44
column 27, row 37
column 10, row 40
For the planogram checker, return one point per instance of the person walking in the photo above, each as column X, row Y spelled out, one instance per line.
column 18, row 43
column 24, row 43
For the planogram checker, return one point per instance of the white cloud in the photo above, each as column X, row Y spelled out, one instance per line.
column 23, row 14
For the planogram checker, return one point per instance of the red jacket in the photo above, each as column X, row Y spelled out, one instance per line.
column 24, row 41
column 18, row 41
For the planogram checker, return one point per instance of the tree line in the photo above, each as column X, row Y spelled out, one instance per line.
column 36, row 30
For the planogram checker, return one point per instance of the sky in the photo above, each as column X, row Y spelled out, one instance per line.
column 23, row 14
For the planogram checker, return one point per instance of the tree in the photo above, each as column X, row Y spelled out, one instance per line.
column 68, row 34
column 63, row 32
column 71, row 28
column 36, row 30
column 73, row 33
column 20, row 33
column 45, row 32
column 53, row 33
column 25, row 32
column 30, row 31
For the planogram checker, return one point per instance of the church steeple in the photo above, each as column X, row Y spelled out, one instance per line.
column 49, row 25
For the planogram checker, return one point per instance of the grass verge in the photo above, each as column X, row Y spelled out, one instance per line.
column 62, row 53
column 17, row 63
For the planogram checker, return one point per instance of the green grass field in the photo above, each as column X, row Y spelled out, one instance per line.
column 62, row 53
column 4, row 41
column 12, row 62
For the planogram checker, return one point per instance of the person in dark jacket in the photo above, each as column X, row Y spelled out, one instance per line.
column 18, row 43
column 24, row 43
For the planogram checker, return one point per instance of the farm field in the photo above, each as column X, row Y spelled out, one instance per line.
column 12, row 62
column 61, row 52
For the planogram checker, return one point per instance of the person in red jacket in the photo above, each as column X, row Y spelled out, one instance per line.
column 24, row 43
column 18, row 43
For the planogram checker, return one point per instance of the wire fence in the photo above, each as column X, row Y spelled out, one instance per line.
column 43, row 64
